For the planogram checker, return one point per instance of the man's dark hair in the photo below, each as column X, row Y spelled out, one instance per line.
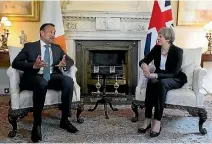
column 42, row 28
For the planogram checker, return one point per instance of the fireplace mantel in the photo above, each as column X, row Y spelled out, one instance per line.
column 94, row 25
column 80, row 23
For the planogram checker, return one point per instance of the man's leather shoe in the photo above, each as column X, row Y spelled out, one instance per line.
column 65, row 124
column 143, row 130
column 36, row 134
column 155, row 134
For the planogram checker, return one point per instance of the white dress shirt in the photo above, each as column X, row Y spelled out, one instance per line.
column 163, row 62
column 42, row 46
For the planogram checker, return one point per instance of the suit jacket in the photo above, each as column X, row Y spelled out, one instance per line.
column 172, row 66
column 26, row 58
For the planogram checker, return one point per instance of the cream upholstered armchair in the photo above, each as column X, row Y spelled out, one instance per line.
column 190, row 97
column 21, row 102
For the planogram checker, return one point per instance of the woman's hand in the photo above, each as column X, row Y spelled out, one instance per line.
column 152, row 75
column 145, row 69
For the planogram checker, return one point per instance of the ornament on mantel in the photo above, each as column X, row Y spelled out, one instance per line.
column 23, row 37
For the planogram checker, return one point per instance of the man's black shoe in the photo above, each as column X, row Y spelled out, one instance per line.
column 65, row 124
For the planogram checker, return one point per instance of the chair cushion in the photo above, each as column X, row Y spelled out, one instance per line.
column 182, row 96
column 191, row 58
column 52, row 97
column 191, row 55
column 189, row 71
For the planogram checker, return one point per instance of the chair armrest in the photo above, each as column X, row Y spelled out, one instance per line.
column 72, row 73
column 14, row 78
column 197, row 83
column 142, row 84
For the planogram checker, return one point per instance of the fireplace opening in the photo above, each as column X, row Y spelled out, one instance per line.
column 108, row 61
column 118, row 56
column 107, row 57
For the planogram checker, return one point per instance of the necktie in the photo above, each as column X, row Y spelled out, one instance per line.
column 46, row 70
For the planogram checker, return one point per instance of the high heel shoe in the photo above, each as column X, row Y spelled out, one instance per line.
column 143, row 130
column 155, row 134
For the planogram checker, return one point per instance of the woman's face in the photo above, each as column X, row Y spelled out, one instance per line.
column 161, row 40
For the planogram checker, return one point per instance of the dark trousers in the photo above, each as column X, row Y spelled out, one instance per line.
column 156, row 95
column 39, row 86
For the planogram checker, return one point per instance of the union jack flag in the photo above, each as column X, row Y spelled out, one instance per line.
column 161, row 17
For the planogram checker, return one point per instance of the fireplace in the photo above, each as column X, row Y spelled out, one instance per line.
column 120, row 55
column 116, row 36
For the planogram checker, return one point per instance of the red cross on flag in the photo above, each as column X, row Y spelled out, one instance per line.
column 161, row 17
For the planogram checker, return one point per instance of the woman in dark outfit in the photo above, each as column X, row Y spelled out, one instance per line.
column 168, row 75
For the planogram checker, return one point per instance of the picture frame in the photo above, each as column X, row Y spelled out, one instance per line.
column 194, row 13
column 20, row 11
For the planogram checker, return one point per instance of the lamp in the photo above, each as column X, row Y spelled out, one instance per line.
column 208, row 28
column 5, row 23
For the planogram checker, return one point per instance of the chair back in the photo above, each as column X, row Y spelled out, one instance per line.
column 192, row 55
column 13, row 52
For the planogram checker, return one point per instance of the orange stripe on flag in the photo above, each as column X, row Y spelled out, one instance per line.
column 61, row 41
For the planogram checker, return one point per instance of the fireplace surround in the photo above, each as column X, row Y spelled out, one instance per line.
column 105, row 26
column 122, row 55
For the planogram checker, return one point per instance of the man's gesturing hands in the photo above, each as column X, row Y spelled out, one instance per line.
column 62, row 62
column 39, row 63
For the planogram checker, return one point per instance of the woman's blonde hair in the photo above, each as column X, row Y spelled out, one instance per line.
column 168, row 34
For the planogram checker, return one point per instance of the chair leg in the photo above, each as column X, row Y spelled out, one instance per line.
column 80, row 108
column 202, row 114
column 135, row 110
column 202, row 118
column 13, row 116
column 13, row 121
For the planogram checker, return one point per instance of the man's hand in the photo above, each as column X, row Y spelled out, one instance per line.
column 62, row 62
column 39, row 63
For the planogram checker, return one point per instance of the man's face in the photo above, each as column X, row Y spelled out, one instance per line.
column 48, row 34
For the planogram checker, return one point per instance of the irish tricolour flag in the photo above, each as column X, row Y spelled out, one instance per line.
column 52, row 14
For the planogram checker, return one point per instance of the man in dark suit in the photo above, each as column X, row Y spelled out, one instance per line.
column 42, row 62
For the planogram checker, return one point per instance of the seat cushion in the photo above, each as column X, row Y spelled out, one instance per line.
column 182, row 96
column 52, row 97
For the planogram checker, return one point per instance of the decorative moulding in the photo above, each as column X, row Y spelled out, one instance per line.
column 105, row 21
column 94, row 14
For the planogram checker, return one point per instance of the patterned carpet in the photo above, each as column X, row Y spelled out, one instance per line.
column 177, row 127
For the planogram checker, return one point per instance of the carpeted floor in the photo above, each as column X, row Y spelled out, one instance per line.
column 177, row 127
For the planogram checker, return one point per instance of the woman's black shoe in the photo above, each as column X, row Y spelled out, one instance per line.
column 154, row 134
column 142, row 130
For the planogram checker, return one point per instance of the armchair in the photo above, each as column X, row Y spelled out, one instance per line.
column 21, row 102
column 190, row 97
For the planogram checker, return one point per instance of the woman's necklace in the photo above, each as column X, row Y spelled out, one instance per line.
column 164, row 52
